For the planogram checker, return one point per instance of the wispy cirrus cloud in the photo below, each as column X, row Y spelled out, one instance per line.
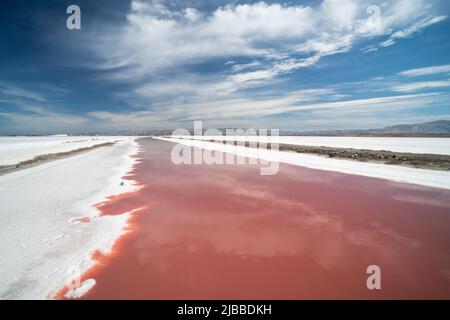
column 33, row 118
column 412, row 30
column 426, row 71
column 253, row 113
column 14, row 91
column 415, row 86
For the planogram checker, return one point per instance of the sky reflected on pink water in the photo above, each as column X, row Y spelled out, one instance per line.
column 226, row 232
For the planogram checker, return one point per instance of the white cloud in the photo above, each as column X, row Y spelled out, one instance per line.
column 417, row 27
column 158, row 48
column 157, row 38
column 39, row 120
column 389, row 42
column 251, row 111
column 341, row 12
column 34, row 111
column 245, row 66
column 415, row 86
column 288, row 65
column 426, row 71
column 14, row 91
column 304, row 108
column 411, row 30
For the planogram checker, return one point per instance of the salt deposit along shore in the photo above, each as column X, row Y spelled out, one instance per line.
column 17, row 149
column 429, row 178
column 49, row 228
column 395, row 144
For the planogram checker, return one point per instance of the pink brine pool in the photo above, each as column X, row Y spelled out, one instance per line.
column 226, row 232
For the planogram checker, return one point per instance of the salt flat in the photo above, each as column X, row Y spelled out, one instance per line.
column 430, row 178
column 413, row 145
column 43, row 242
column 16, row 149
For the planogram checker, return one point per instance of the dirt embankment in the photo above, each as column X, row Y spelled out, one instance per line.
column 49, row 157
column 423, row 161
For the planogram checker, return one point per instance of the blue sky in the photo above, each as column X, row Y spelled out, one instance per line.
column 143, row 64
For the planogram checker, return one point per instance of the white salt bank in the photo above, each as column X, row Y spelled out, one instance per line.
column 429, row 178
column 44, row 243
column 412, row 145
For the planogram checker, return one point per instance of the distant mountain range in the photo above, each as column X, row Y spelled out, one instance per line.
column 440, row 128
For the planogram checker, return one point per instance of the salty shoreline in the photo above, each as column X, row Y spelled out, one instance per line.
column 413, row 160
column 50, row 235
column 423, row 177
column 41, row 159
column 14, row 150
column 393, row 144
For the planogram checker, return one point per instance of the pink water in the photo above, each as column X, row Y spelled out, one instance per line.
column 226, row 232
